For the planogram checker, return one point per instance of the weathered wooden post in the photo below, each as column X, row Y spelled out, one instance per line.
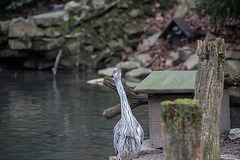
column 181, row 129
column 209, row 92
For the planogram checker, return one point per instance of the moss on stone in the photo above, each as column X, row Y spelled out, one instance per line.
column 97, row 26
column 63, row 29
column 188, row 110
column 181, row 126
column 77, row 29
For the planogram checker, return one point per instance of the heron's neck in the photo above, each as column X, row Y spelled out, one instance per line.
column 126, row 111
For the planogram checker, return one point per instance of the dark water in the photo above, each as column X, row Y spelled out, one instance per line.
column 42, row 119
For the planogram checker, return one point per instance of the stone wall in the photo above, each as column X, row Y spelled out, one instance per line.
column 91, row 34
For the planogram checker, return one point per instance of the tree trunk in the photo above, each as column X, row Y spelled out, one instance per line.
column 181, row 129
column 209, row 91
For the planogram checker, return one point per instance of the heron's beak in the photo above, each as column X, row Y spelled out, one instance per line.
column 119, row 67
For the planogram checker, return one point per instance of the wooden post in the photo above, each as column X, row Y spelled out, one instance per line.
column 181, row 129
column 54, row 69
column 209, row 92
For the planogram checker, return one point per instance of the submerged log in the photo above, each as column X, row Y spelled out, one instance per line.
column 134, row 99
column 181, row 129
column 209, row 91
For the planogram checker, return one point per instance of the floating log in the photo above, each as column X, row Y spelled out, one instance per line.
column 181, row 129
column 209, row 91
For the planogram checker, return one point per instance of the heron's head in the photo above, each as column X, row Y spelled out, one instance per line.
column 117, row 72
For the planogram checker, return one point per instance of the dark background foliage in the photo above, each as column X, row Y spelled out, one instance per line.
column 219, row 9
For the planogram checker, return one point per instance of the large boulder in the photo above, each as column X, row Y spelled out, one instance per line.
column 133, row 30
column 116, row 44
column 72, row 7
column 37, row 63
column 51, row 19
column 192, row 62
column 173, row 56
column 232, row 65
column 74, row 48
column 135, row 13
column 150, row 41
column 99, row 60
column 4, row 26
column 185, row 53
column 70, row 62
column 143, row 58
column 106, row 72
column 24, row 43
column 46, row 44
column 183, row 7
column 138, row 73
column 19, row 28
column 233, row 55
column 12, row 53
column 88, row 48
column 51, row 55
column 89, row 8
column 98, row 4
column 52, row 33
column 129, row 65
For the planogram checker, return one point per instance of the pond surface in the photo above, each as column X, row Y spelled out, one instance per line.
column 43, row 119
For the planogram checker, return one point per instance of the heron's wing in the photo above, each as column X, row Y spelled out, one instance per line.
column 142, row 133
column 140, row 130
column 117, row 134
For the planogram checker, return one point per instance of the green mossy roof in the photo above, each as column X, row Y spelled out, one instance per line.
column 160, row 82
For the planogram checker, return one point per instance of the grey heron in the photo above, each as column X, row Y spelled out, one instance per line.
column 128, row 133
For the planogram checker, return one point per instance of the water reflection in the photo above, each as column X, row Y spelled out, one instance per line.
column 45, row 119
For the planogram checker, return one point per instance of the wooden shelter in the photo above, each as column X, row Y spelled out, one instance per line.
column 171, row 85
column 180, row 30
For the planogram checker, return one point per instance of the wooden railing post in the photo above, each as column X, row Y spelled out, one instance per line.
column 181, row 129
column 209, row 93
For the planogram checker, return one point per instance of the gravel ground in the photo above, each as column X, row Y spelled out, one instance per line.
column 230, row 150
